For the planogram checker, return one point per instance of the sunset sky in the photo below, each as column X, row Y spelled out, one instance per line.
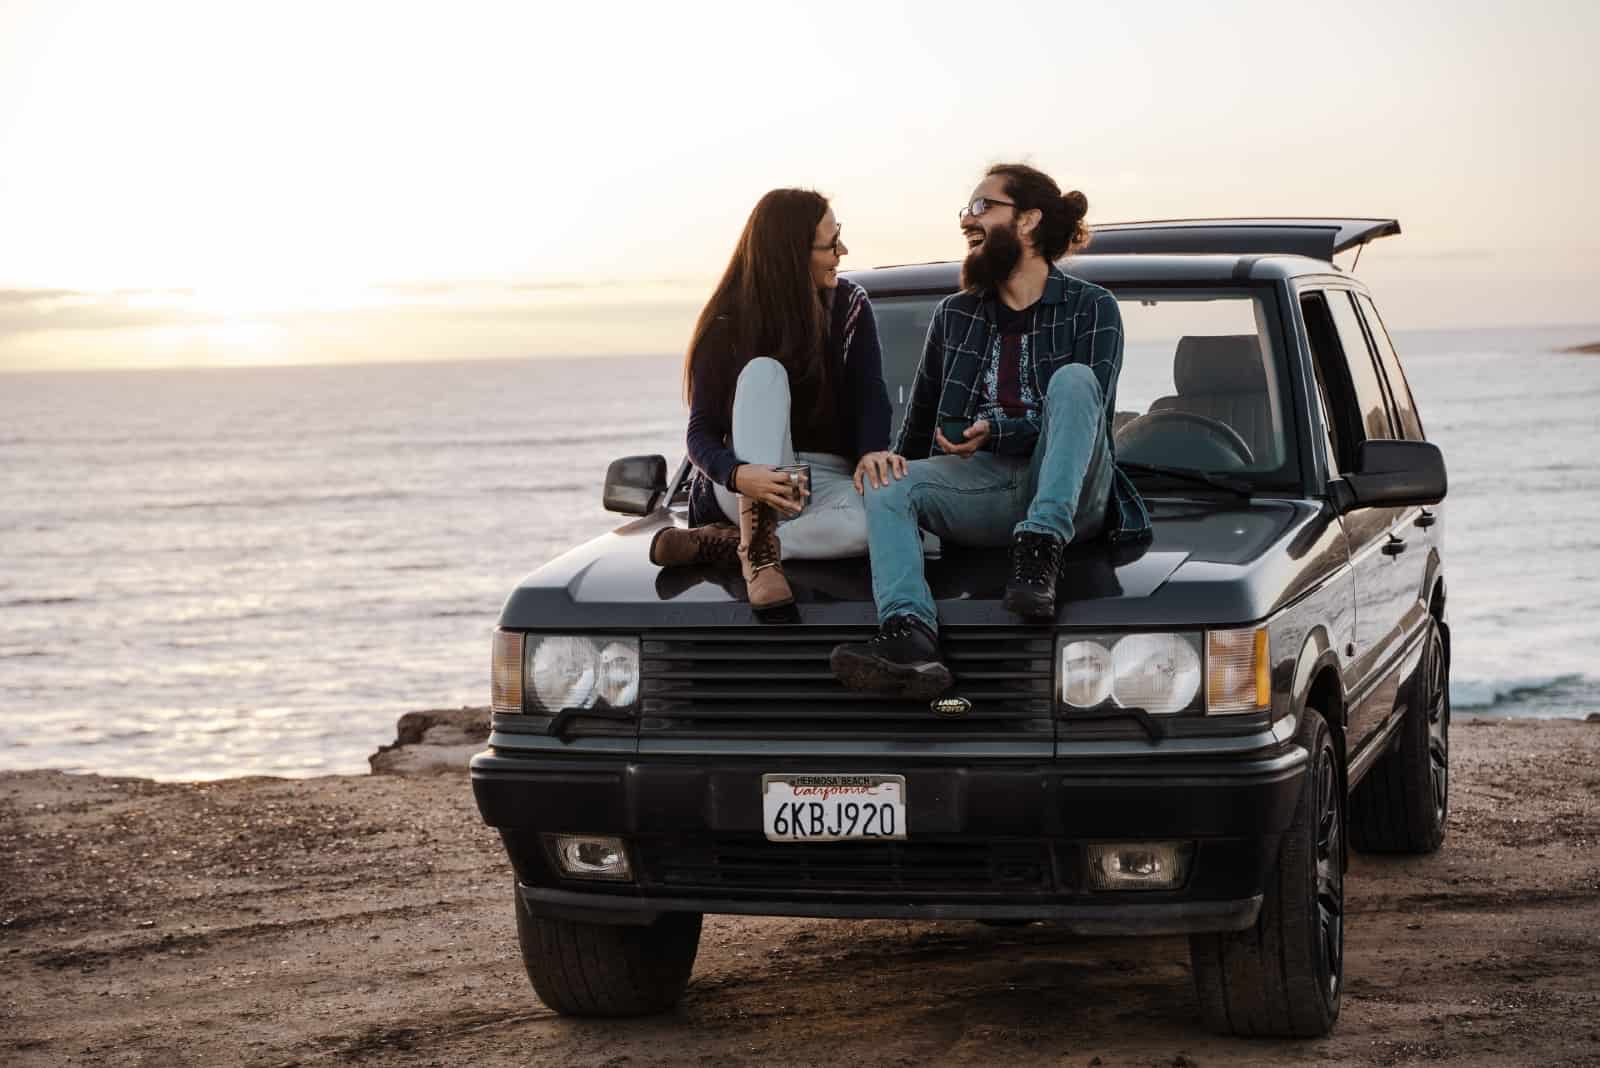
column 227, row 183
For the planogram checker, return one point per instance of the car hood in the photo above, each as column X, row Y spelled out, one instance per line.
column 1208, row 562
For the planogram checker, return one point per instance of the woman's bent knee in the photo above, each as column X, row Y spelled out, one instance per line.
column 761, row 371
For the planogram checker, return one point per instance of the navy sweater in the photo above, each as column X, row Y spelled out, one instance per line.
column 855, row 370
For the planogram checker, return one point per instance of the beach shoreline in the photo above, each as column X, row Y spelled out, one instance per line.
column 367, row 919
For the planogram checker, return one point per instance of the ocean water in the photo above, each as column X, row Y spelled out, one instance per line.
column 256, row 571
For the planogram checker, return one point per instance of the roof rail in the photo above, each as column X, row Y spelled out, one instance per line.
column 1320, row 239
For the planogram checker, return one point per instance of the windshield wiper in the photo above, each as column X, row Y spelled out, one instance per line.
column 1221, row 482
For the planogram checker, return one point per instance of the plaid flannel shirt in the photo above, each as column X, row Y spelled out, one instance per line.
column 1076, row 322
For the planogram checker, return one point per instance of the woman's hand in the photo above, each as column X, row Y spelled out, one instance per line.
column 976, row 435
column 875, row 467
column 771, row 486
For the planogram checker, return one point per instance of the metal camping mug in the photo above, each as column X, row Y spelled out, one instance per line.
column 799, row 482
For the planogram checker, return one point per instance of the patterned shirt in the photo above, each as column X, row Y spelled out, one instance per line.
column 1076, row 322
column 1007, row 373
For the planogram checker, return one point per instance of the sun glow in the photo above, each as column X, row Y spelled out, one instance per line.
column 312, row 181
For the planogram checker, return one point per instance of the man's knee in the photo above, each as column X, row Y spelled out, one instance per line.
column 895, row 496
column 1073, row 384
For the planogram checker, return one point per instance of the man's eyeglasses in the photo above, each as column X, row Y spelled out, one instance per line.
column 979, row 205
column 832, row 246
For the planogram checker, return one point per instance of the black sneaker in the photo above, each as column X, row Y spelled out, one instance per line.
column 1035, row 563
column 902, row 661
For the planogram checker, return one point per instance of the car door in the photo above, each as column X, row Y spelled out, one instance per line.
column 1362, row 413
column 1421, row 526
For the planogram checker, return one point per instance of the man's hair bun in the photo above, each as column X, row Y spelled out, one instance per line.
column 1061, row 215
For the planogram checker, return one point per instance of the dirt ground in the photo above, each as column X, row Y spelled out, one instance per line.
column 369, row 920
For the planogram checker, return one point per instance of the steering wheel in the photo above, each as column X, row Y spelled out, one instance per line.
column 1222, row 446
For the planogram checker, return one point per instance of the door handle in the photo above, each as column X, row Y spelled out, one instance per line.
column 1426, row 519
column 1394, row 546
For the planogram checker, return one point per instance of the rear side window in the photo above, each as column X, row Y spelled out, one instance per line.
column 1363, row 372
column 1405, row 408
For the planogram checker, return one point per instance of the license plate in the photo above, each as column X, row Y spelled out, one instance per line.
column 833, row 808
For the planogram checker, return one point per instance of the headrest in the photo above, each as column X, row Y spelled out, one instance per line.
column 1219, row 363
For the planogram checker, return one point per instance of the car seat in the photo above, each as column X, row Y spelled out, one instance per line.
column 1221, row 377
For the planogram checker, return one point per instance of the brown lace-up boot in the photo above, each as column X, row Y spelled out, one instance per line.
column 765, row 584
column 715, row 543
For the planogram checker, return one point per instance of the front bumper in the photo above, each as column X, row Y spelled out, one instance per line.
column 986, row 841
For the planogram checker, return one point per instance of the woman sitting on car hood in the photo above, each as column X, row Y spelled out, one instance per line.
column 784, row 369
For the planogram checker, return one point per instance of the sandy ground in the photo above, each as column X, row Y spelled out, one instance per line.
column 369, row 920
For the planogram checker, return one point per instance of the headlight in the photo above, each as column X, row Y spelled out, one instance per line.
column 1163, row 673
column 1159, row 673
column 619, row 673
column 569, row 671
column 1085, row 674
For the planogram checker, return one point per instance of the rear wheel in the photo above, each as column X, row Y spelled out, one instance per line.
column 1402, row 804
column 597, row 969
column 1284, row 975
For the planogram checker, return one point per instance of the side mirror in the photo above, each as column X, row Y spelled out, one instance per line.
column 635, row 484
column 1393, row 473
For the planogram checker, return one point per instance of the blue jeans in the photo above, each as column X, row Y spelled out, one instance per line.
column 1061, row 490
column 834, row 522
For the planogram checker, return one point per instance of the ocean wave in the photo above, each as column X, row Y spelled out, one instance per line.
column 631, row 432
column 1479, row 694
column 553, row 487
column 30, row 602
column 288, row 500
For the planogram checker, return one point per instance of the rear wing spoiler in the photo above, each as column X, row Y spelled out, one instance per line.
column 1320, row 239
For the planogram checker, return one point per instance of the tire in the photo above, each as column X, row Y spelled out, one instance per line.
column 1284, row 976
column 1402, row 804
column 597, row 969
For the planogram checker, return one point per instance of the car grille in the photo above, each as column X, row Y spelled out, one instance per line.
column 745, row 862
column 776, row 682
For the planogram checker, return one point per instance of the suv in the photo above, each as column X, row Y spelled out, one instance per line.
column 1188, row 748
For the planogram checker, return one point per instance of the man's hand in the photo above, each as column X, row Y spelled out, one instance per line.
column 875, row 468
column 772, row 486
column 975, row 436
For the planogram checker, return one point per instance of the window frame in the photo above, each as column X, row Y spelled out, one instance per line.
column 1290, row 477
column 1387, row 354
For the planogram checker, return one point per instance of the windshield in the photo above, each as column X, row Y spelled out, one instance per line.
column 1201, row 387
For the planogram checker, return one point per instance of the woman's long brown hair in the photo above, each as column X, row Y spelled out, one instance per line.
column 771, row 304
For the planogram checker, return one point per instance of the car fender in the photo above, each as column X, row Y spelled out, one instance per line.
column 1318, row 651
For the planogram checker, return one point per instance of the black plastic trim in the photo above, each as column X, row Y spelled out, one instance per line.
column 1132, row 918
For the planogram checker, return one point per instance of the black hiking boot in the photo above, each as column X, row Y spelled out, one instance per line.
column 902, row 661
column 1035, row 563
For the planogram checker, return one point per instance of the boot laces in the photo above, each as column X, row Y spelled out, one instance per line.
column 1034, row 560
column 892, row 631
column 763, row 551
column 711, row 549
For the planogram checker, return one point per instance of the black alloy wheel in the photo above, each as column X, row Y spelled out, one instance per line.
column 1438, row 705
column 1402, row 803
column 1330, row 874
column 1284, row 975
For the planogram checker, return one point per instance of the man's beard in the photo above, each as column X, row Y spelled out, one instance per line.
column 993, row 261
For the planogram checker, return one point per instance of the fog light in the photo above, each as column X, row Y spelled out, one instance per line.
column 1139, row 865
column 583, row 856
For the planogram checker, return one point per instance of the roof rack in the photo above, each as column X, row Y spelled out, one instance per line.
column 1320, row 239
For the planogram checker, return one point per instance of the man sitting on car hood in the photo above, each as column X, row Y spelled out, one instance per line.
column 1016, row 388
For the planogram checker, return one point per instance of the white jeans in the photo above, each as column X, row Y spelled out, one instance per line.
column 834, row 522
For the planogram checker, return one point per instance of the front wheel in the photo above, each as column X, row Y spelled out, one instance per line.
column 597, row 969
column 1283, row 977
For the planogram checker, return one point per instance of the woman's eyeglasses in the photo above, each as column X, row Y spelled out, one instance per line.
column 979, row 205
column 832, row 246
